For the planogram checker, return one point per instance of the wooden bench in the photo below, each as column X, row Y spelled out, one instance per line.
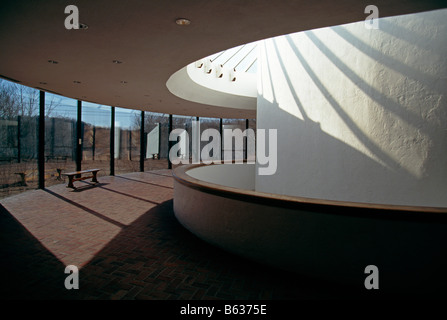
column 72, row 176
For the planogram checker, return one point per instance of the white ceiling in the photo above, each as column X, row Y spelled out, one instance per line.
column 144, row 35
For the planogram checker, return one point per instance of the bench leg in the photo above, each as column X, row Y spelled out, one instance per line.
column 59, row 176
column 22, row 179
column 94, row 177
column 70, row 182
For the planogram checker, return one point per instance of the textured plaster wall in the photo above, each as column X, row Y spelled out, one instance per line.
column 361, row 113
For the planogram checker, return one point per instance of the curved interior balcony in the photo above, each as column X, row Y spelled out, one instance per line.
column 332, row 240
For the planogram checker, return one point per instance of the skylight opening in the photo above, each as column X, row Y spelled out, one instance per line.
column 241, row 59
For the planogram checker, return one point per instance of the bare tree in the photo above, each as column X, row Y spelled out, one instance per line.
column 8, row 103
column 150, row 120
column 28, row 100
column 18, row 100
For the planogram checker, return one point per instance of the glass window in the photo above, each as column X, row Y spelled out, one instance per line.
column 19, row 109
column 60, row 137
column 210, row 153
column 96, row 121
column 156, row 135
column 234, row 148
column 251, row 153
column 127, row 140
column 188, row 124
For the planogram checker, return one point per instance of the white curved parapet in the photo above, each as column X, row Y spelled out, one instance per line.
column 319, row 238
column 242, row 175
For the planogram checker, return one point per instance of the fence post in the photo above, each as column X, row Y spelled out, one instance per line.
column 169, row 141
column 19, row 149
column 221, row 138
column 142, row 140
column 246, row 140
column 41, row 141
column 79, row 137
column 112, row 142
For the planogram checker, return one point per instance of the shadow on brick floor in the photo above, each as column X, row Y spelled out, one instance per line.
column 153, row 258
column 28, row 270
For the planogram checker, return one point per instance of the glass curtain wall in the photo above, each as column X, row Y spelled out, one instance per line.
column 251, row 154
column 233, row 147
column 186, row 139
column 19, row 115
column 96, row 123
column 127, row 140
column 210, row 153
column 156, row 135
column 19, row 110
column 60, row 137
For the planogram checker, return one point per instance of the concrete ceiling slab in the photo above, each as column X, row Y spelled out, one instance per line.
column 152, row 47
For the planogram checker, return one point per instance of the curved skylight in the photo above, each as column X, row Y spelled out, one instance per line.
column 226, row 79
column 243, row 58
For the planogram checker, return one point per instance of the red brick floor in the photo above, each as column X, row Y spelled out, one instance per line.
column 123, row 236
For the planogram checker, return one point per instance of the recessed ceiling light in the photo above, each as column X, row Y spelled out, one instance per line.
column 123, row 82
column 183, row 21
column 53, row 61
column 117, row 61
column 77, row 82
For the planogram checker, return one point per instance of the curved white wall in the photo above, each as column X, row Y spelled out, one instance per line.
column 361, row 114
column 235, row 175
column 322, row 241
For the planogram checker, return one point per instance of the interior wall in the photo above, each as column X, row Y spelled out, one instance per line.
column 361, row 114
column 235, row 175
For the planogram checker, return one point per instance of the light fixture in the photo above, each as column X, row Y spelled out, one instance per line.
column 123, row 82
column 199, row 63
column 77, row 82
column 53, row 61
column 219, row 71
column 183, row 21
column 117, row 62
column 233, row 75
column 208, row 66
column 83, row 26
